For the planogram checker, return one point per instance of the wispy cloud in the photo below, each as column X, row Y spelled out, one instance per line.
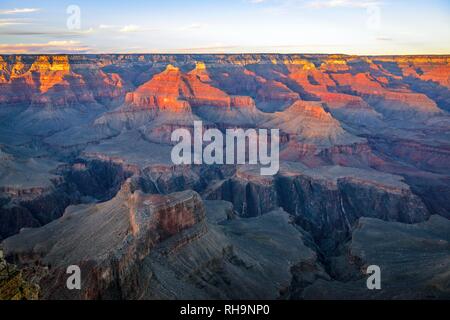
column 43, row 32
column 48, row 47
column 9, row 22
column 19, row 10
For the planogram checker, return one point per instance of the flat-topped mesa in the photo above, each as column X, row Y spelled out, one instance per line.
column 176, row 91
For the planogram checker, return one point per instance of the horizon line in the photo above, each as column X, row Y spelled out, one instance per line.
column 223, row 53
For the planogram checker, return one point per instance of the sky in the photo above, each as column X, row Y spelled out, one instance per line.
column 365, row 27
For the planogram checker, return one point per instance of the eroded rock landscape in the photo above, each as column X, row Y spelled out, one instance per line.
column 86, row 176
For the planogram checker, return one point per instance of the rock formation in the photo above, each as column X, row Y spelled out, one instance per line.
column 86, row 176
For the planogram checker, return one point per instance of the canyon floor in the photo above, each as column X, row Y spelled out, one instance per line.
column 86, row 177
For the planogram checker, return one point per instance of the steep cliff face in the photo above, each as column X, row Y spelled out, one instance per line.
column 136, row 223
column 145, row 246
column 325, row 201
column 250, row 199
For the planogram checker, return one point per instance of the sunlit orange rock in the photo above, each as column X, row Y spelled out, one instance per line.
column 51, row 81
column 334, row 64
column 200, row 72
column 51, row 70
column 276, row 91
column 318, row 83
column 341, row 100
column 242, row 102
column 390, row 100
column 301, row 64
column 19, row 68
column 436, row 69
column 177, row 91
column 3, row 70
column 310, row 110
column 361, row 82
